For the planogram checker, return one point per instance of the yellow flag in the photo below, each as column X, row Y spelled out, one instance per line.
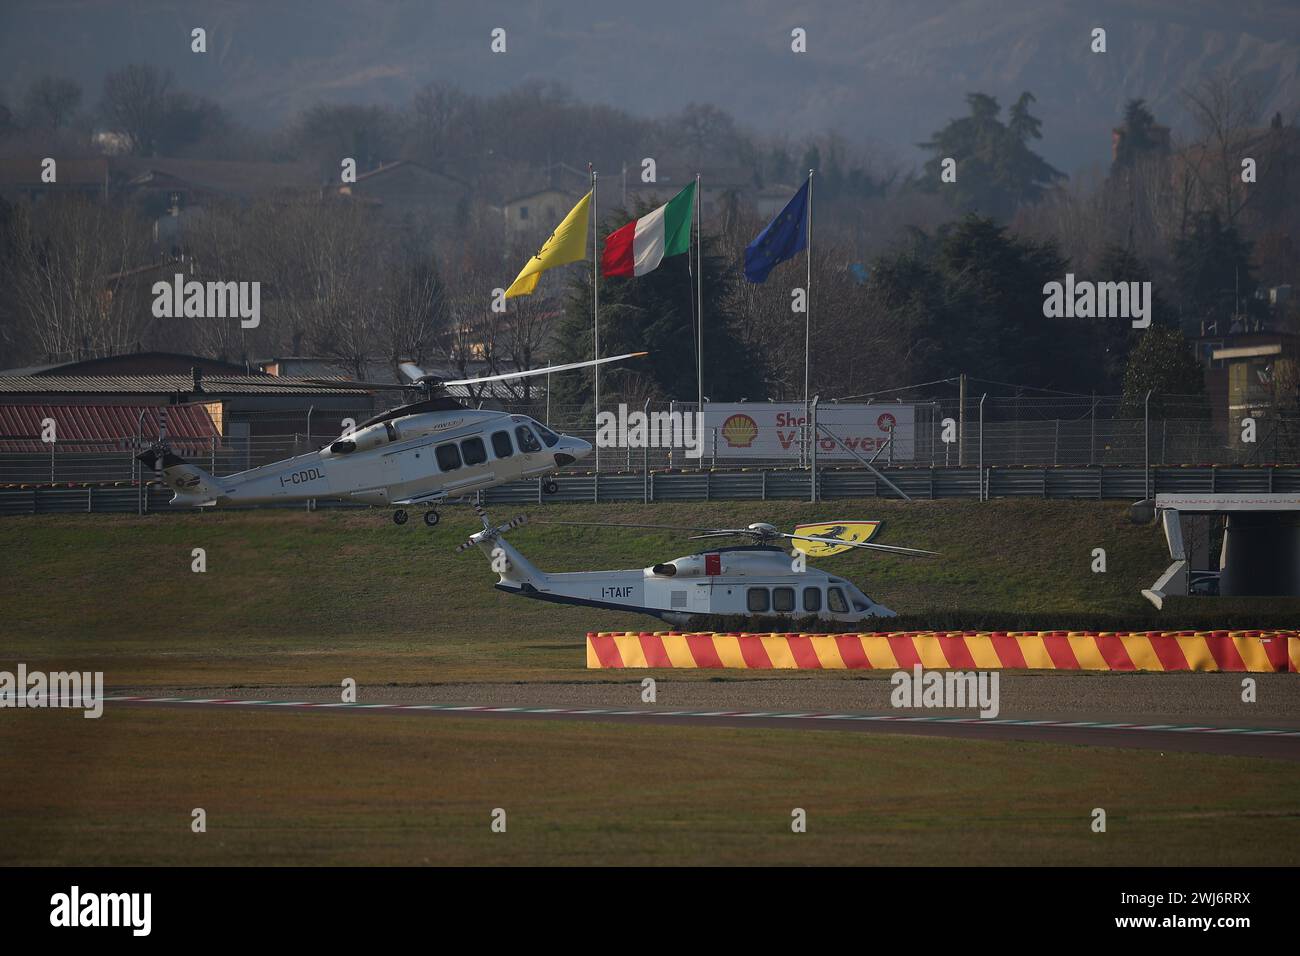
column 840, row 530
column 568, row 243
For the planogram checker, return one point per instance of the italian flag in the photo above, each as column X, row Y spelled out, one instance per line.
column 640, row 246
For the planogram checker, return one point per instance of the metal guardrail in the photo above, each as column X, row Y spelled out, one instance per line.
column 1095, row 483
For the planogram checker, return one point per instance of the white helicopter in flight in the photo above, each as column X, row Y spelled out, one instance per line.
column 416, row 454
column 754, row 580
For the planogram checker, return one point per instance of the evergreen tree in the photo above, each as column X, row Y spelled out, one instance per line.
column 1137, row 136
column 970, row 299
column 1161, row 362
column 1212, row 265
column 1116, row 335
column 996, row 170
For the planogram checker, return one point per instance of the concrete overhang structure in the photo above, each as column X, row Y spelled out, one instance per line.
column 1260, row 555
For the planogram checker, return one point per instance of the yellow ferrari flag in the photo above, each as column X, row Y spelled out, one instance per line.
column 839, row 530
column 568, row 243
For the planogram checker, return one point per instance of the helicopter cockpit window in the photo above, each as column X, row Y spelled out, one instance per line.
column 548, row 436
column 474, row 450
column 501, row 446
column 758, row 601
column 527, row 440
column 812, row 600
column 835, row 601
column 448, row 457
column 783, row 600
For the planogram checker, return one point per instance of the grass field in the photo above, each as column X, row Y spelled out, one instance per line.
column 346, row 789
column 297, row 599
column 291, row 597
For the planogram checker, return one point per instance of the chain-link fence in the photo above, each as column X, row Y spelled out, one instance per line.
column 994, row 432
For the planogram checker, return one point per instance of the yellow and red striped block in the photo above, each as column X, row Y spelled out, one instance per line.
column 1258, row 650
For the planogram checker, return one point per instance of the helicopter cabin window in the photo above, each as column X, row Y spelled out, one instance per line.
column 448, row 457
column 835, row 601
column 501, row 446
column 757, row 600
column 474, row 450
column 548, row 436
column 812, row 600
column 527, row 440
column 783, row 600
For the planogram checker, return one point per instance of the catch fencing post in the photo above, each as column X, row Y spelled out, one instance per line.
column 1146, row 444
column 982, row 397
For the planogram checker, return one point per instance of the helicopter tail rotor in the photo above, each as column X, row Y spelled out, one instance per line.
column 489, row 533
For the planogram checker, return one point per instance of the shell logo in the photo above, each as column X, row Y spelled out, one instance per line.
column 740, row 431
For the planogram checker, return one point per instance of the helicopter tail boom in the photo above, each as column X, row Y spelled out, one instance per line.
column 192, row 485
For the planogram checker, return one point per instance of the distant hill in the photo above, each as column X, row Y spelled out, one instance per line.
column 891, row 71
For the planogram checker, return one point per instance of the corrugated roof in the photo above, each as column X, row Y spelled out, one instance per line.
column 89, row 428
column 213, row 385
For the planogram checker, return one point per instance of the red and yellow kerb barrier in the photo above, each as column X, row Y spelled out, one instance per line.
column 1258, row 651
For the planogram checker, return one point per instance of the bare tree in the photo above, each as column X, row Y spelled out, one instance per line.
column 71, row 274
column 51, row 102
column 1225, row 109
column 135, row 104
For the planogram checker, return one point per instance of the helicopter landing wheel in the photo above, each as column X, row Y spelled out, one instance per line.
column 431, row 518
column 400, row 516
column 551, row 487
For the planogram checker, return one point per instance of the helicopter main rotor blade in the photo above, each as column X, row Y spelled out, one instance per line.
column 271, row 382
column 413, row 371
column 607, row 524
column 544, row 371
column 866, row 545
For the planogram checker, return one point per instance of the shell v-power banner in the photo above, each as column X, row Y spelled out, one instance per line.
column 773, row 429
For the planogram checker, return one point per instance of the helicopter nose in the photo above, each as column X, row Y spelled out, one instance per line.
column 570, row 450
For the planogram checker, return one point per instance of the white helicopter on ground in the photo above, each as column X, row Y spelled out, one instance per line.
column 754, row 580
column 419, row 453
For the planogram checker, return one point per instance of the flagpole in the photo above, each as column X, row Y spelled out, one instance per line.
column 699, row 297
column 595, row 304
column 807, row 320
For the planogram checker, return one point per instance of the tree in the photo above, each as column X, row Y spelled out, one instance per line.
column 328, row 133
column 970, row 299
column 135, row 102
column 1225, row 108
column 50, row 103
column 1160, row 363
column 1212, row 265
column 1116, row 334
column 68, row 275
column 1138, row 137
column 996, row 170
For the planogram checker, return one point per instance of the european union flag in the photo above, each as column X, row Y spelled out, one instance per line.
column 784, row 236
